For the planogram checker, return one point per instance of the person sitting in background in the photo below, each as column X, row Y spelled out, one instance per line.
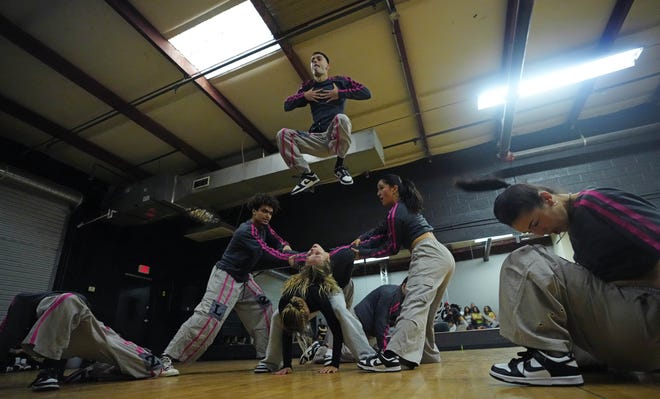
column 457, row 322
column 490, row 317
column 477, row 321
column 441, row 321
column 466, row 315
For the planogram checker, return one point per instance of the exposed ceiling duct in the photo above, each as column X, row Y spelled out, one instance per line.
column 14, row 177
column 229, row 187
column 651, row 130
column 198, row 195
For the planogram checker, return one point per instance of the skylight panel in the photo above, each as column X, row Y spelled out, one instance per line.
column 225, row 36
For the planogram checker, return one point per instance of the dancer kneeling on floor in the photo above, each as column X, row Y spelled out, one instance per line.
column 605, row 307
column 56, row 326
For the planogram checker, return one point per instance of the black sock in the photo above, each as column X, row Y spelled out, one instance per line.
column 56, row 365
column 339, row 162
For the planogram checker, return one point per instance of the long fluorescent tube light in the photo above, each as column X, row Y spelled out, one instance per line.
column 561, row 78
column 369, row 260
column 495, row 238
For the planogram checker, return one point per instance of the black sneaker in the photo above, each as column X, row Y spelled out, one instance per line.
column 343, row 176
column 378, row 362
column 307, row 180
column 46, row 381
column 310, row 352
column 534, row 367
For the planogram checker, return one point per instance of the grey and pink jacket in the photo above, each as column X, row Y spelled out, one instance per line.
column 399, row 230
column 614, row 234
column 252, row 244
column 324, row 112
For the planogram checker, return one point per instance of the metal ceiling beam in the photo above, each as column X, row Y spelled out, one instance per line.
column 612, row 29
column 412, row 93
column 38, row 50
column 153, row 36
column 35, row 120
column 519, row 15
column 303, row 71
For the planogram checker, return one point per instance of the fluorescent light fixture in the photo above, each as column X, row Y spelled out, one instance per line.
column 228, row 34
column 369, row 260
column 562, row 78
column 495, row 238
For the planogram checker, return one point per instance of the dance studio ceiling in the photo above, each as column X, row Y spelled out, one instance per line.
column 95, row 84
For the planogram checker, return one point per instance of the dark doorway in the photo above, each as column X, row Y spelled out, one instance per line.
column 132, row 315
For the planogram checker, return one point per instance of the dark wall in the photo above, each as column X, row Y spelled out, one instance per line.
column 338, row 214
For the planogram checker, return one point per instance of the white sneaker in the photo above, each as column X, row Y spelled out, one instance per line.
column 380, row 363
column 535, row 367
column 309, row 353
column 168, row 369
column 343, row 176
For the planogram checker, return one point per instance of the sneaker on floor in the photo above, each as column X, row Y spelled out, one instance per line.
column 309, row 353
column 534, row 367
column 307, row 180
column 261, row 369
column 343, row 176
column 327, row 359
column 168, row 369
column 380, row 363
column 46, row 381
column 319, row 357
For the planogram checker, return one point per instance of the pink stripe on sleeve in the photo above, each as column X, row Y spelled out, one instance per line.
column 642, row 235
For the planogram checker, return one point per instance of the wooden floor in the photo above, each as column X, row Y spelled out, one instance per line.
column 462, row 374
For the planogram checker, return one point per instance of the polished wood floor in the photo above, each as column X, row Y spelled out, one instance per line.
column 462, row 374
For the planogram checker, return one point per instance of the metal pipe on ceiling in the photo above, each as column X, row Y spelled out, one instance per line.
column 407, row 74
column 303, row 72
column 618, row 16
column 14, row 177
column 584, row 141
column 518, row 28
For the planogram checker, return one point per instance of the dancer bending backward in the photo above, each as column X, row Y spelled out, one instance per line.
column 312, row 290
column 330, row 132
column 231, row 286
column 431, row 267
column 605, row 307
column 58, row 326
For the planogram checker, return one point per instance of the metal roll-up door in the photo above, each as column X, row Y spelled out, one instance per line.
column 32, row 229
